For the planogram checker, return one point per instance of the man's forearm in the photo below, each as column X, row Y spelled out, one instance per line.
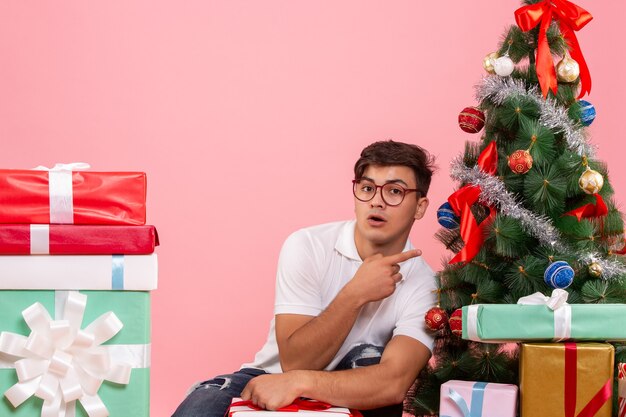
column 361, row 388
column 316, row 343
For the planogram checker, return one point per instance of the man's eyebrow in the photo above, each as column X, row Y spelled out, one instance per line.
column 394, row 181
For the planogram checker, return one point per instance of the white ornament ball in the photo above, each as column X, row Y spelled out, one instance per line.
column 503, row 66
column 567, row 70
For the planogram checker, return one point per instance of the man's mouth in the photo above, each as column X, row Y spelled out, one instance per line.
column 376, row 220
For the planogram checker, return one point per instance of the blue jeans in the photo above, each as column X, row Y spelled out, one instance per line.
column 212, row 398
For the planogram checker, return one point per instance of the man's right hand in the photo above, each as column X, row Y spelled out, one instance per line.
column 376, row 279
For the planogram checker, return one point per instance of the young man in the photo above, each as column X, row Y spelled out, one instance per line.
column 350, row 302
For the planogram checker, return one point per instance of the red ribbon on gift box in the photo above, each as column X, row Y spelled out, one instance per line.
column 571, row 18
column 461, row 202
column 297, row 405
column 598, row 400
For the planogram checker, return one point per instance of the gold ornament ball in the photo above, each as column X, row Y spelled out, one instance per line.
column 591, row 181
column 595, row 269
column 488, row 62
column 567, row 70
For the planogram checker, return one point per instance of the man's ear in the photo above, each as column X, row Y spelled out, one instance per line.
column 422, row 205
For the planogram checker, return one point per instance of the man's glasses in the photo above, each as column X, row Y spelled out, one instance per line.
column 392, row 193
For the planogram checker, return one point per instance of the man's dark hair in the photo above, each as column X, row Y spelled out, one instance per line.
column 387, row 153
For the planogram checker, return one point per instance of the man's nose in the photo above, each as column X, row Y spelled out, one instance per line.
column 378, row 201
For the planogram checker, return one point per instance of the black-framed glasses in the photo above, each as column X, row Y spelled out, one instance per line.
column 392, row 193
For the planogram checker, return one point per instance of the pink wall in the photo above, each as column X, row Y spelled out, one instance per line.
column 247, row 117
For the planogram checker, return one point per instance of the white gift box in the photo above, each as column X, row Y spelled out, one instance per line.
column 79, row 272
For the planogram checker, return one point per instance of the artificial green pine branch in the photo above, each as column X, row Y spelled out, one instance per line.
column 544, row 189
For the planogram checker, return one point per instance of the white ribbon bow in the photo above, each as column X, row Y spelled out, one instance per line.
column 73, row 166
column 61, row 192
column 60, row 363
column 562, row 311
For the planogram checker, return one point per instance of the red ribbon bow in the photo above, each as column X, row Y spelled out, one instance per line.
column 598, row 400
column 297, row 405
column 598, row 209
column 571, row 18
column 461, row 200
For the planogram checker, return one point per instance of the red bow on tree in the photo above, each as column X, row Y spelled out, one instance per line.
column 462, row 200
column 590, row 210
column 571, row 18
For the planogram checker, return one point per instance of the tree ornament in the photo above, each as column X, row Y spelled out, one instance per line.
column 567, row 70
column 595, row 270
column 520, row 161
column 559, row 275
column 456, row 322
column 503, row 66
column 488, row 62
column 587, row 112
column 436, row 318
column 471, row 119
column 591, row 181
column 447, row 217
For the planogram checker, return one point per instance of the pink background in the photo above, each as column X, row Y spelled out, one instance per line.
column 248, row 117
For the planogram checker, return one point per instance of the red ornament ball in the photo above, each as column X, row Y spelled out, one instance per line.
column 471, row 120
column 456, row 322
column 520, row 161
column 436, row 318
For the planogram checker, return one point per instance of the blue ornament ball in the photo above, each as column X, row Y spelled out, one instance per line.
column 559, row 275
column 587, row 112
column 446, row 216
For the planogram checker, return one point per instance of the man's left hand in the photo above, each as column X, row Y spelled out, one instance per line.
column 272, row 392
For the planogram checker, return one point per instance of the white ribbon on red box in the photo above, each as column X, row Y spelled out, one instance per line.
column 39, row 239
column 61, row 192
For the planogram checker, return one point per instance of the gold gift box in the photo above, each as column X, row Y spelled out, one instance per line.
column 542, row 377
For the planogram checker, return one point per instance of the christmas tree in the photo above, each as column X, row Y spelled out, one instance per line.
column 534, row 208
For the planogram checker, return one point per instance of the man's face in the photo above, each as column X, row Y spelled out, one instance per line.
column 380, row 223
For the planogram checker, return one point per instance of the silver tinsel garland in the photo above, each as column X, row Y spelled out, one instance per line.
column 494, row 193
column 552, row 116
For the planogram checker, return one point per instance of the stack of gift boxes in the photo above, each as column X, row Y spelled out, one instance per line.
column 77, row 265
column 566, row 368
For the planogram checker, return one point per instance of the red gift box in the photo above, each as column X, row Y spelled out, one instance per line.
column 60, row 239
column 78, row 197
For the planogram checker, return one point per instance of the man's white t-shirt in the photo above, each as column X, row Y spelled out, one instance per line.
column 314, row 265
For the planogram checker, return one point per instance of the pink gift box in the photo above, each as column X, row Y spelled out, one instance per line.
column 480, row 399
column 621, row 390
